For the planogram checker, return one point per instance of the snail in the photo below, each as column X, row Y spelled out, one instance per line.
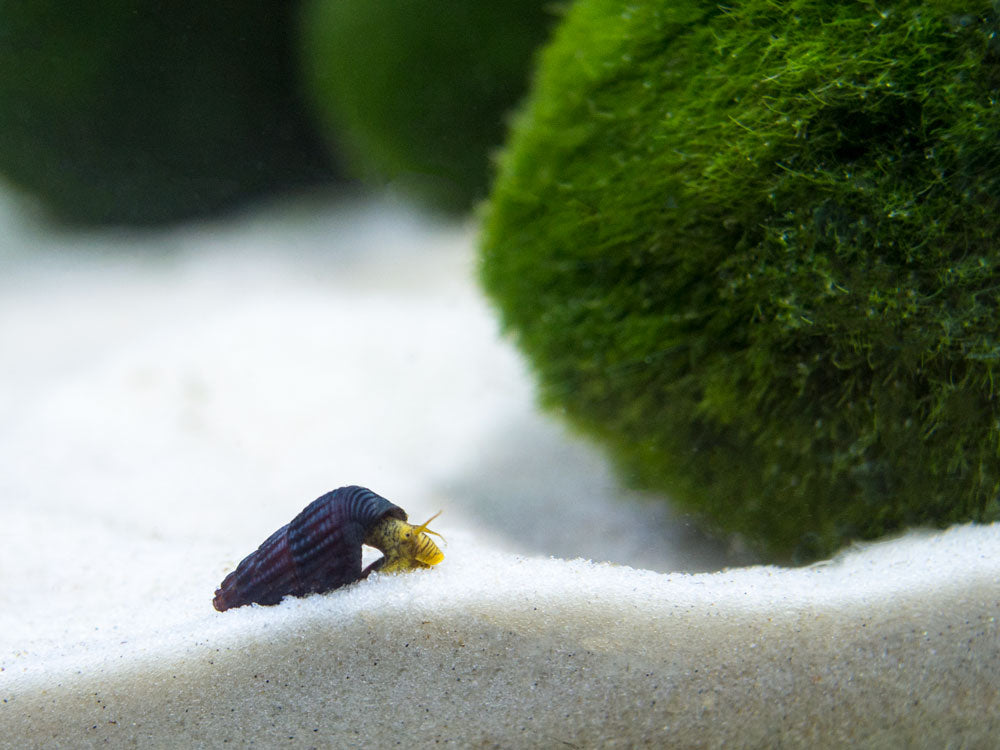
column 320, row 549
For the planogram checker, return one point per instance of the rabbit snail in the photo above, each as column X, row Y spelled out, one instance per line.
column 320, row 549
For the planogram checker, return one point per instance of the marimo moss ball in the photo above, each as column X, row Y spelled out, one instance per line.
column 144, row 112
column 754, row 248
column 417, row 91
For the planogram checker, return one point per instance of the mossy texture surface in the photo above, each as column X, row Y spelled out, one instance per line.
column 143, row 112
column 417, row 91
column 754, row 249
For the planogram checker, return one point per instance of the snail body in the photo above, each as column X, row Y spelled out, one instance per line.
column 320, row 549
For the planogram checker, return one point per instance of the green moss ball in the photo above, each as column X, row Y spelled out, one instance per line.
column 416, row 91
column 755, row 249
column 144, row 112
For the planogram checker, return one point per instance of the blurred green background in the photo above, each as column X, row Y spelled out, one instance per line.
column 137, row 113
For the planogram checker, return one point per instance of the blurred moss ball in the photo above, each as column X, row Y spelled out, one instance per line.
column 417, row 91
column 144, row 112
column 754, row 248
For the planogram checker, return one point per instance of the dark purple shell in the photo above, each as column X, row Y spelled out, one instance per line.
column 318, row 550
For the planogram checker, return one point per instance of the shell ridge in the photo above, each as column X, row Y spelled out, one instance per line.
column 260, row 575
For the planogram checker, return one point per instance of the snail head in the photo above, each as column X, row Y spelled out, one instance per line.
column 406, row 547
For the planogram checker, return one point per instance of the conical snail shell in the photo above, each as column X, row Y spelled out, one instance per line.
column 318, row 550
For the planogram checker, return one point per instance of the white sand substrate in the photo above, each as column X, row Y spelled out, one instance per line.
column 169, row 399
